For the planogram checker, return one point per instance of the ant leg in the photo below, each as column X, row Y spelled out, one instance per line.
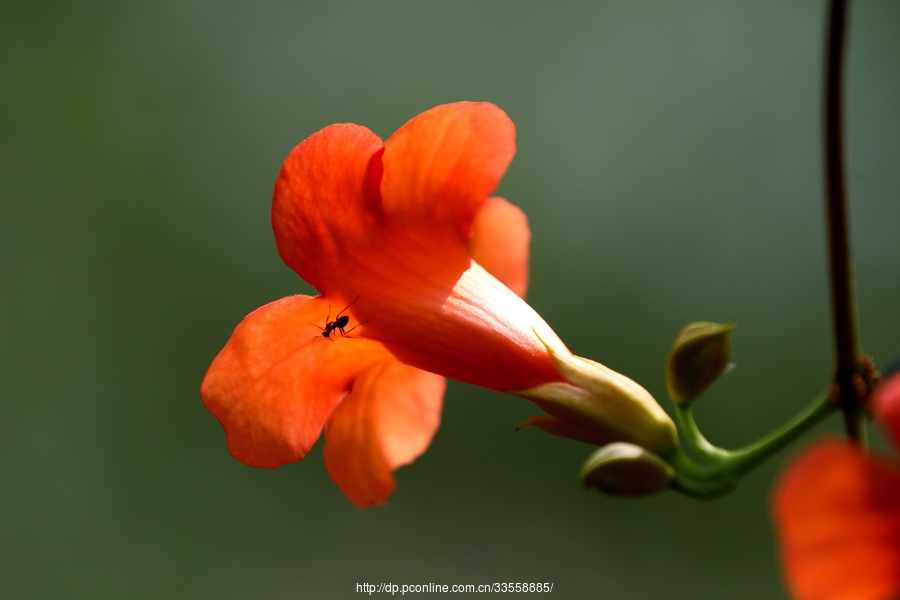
column 325, row 330
column 352, row 328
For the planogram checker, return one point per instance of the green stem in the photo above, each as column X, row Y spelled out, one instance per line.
column 700, row 491
column 739, row 462
column 693, row 438
column 720, row 469
column 843, row 298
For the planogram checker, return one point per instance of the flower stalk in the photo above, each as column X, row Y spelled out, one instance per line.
column 706, row 471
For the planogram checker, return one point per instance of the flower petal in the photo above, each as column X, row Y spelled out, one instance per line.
column 838, row 515
column 886, row 406
column 441, row 165
column 499, row 243
column 324, row 204
column 387, row 420
column 277, row 380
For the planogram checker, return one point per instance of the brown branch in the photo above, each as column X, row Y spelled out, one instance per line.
column 843, row 297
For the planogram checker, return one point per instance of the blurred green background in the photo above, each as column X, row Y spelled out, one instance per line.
column 668, row 157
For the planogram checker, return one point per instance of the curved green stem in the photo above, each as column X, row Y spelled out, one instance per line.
column 720, row 470
column 693, row 438
column 700, row 491
column 739, row 462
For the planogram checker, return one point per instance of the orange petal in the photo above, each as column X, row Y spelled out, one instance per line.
column 442, row 164
column 886, row 406
column 838, row 516
column 387, row 420
column 499, row 243
column 277, row 380
column 319, row 207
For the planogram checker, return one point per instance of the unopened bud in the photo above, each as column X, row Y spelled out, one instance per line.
column 699, row 356
column 622, row 469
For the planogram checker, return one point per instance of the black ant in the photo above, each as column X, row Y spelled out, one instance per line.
column 338, row 324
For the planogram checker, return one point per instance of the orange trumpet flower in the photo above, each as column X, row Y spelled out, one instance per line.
column 421, row 275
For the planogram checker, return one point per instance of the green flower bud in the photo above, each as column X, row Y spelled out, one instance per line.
column 699, row 356
column 623, row 469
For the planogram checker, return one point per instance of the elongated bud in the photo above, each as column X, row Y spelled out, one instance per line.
column 699, row 356
column 599, row 405
column 622, row 469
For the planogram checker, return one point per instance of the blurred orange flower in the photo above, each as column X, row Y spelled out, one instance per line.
column 837, row 511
